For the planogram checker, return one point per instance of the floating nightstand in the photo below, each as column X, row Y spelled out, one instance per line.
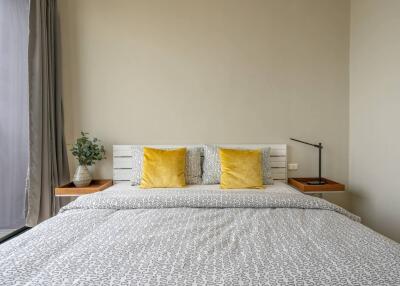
column 329, row 187
column 69, row 190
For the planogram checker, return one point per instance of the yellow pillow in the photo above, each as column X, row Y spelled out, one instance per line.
column 163, row 168
column 241, row 169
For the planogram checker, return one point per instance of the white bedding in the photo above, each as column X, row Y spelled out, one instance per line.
column 200, row 235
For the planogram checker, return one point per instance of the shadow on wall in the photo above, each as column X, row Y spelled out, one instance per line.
column 371, row 215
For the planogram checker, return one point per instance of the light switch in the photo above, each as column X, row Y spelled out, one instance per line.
column 293, row 166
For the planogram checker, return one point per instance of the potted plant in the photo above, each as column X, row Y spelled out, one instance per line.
column 87, row 152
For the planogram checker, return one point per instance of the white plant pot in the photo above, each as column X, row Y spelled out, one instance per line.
column 82, row 177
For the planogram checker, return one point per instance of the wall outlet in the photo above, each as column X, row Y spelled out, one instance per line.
column 293, row 166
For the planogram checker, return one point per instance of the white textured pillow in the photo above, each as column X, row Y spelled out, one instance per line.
column 212, row 165
column 193, row 165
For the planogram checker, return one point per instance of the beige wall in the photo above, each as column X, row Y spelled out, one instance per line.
column 225, row 71
column 374, row 113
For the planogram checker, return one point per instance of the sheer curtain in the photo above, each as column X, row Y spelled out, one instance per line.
column 14, row 154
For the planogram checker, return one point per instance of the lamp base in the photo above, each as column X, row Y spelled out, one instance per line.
column 316, row 183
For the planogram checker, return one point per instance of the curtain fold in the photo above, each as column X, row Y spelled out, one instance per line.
column 48, row 163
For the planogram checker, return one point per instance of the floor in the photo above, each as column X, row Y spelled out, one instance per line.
column 4, row 232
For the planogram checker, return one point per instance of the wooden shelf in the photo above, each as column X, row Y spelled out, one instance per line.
column 329, row 186
column 94, row 187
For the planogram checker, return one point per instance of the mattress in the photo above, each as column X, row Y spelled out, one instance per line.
column 200, row 235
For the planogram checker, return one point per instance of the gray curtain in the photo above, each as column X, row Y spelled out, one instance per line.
column 48, row 165
column 13, row 111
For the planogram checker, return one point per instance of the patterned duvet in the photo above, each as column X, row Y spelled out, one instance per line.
column 200, row 237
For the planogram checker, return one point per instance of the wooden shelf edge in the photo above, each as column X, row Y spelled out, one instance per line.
column 94, row 187
column 330, row 186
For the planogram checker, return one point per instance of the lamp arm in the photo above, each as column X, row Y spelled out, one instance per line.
column 314, row 145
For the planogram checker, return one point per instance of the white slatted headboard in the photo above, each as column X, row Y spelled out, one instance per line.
column 122, row 159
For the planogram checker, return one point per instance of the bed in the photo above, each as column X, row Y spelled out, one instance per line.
column 200, row 235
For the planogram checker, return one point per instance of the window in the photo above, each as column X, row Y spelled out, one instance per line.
column 14, row 153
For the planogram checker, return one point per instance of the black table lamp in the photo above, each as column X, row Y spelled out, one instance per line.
column 320, row 181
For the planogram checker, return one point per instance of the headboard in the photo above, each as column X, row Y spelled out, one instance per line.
column 122, row 159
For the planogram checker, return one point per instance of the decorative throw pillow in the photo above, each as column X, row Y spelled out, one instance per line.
column 212, row 166
column 241, row 169
column 192, row 171
column 163, row 168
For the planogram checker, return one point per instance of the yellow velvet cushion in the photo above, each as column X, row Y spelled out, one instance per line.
column 241, row 169
column 163, row 168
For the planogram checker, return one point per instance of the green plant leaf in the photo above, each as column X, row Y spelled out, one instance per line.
column 87, row 151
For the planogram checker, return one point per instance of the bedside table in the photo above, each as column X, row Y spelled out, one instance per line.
column 329, row 187
column 69, row 190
